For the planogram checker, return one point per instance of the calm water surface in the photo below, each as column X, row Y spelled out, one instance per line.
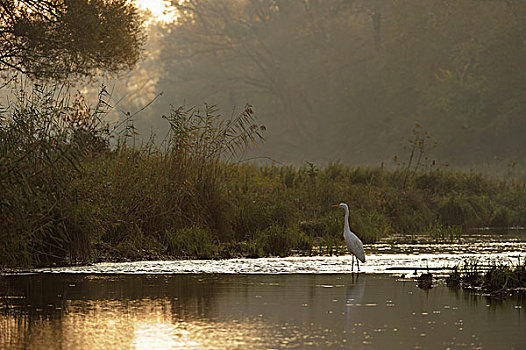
column 223, row 311
column 290, row 303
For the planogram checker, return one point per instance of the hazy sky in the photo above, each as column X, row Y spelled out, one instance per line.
column 160, row 9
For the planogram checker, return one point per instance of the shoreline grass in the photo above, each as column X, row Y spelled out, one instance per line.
column 495, row 279
column 69, row 194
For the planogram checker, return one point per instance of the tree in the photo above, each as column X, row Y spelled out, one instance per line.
column 60, row 39
column 462, row 76
column 298, row 62
column 348, row 79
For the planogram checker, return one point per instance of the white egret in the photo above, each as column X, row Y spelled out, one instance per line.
column 353, row 243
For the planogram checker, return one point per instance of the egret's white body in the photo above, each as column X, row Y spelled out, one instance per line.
column 353, row 243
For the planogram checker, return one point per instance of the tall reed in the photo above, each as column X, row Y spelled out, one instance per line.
column 44, row 136
column 73, row 188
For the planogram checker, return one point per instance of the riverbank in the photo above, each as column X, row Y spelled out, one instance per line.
column 123, row 205
column 72, row 195
column 384, row 257
column 492, row 264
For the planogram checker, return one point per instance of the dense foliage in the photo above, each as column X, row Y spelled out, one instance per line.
column 57, row 39
column 69, row 193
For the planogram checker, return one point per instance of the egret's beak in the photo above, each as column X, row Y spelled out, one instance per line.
column 335, row 206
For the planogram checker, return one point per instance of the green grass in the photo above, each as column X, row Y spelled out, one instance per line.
column 497, row 279
column 70, row 194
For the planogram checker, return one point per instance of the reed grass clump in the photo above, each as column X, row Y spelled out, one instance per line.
column 43, row 138
column 458, row 211
column 190, row 242
column 275, row 240
column 440, row 233
column 494, row 279
column 502, row 218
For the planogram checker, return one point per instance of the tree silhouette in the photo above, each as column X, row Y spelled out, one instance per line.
column 60, row 39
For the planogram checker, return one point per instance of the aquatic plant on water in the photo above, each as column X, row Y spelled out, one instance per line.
column 495, row 278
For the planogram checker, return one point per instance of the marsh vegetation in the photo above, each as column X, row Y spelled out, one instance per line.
column 77, row 189
column 495, row 279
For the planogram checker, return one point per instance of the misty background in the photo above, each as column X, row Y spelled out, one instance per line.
column 355, row 81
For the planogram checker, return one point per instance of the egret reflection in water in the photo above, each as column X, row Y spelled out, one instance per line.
column 353, row 295
column 354, row 292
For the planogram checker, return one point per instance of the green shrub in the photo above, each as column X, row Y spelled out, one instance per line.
column 190, row 242
column 252, row 216
column 326, row 225
column 275, row 240
column 458, row 211
column 501, row 218
column 410, row 211
column 370, row 226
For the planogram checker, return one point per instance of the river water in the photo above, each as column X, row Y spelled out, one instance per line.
column 291, row 303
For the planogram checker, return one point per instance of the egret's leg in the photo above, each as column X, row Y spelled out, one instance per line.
column 358, row 263
column 352, row 263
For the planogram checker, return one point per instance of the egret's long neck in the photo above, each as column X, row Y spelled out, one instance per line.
column 347, row 219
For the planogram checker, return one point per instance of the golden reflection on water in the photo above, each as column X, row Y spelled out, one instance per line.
column 144, row 324
column 250, row 312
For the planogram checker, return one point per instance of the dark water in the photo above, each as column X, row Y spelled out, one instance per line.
column 236, row 311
